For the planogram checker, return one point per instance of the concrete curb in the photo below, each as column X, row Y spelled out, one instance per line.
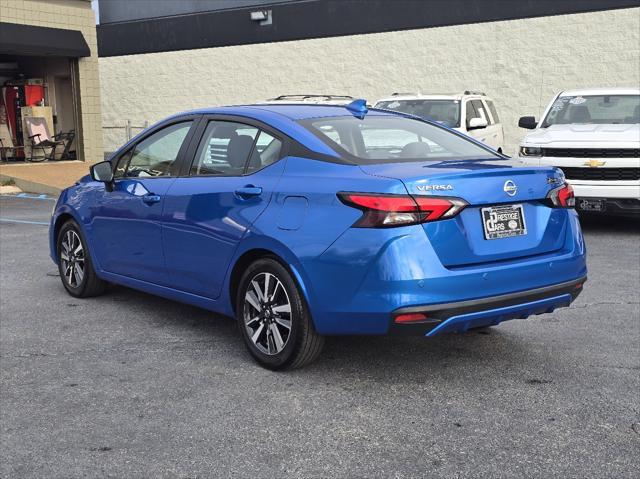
column 32, row 187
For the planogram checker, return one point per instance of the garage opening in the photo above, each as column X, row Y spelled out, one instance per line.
column 40, row 116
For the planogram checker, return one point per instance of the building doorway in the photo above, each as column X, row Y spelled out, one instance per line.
column 39, row 115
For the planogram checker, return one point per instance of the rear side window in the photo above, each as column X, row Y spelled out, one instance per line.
column 156, row 154
column 267, row 151
column 234, row 149
column 386, row 139
column 494, row 112
column 224, row 149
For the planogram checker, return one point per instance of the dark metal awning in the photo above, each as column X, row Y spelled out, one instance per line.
column 18, row 39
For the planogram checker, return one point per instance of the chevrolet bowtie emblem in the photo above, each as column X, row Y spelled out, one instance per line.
column 594, row 163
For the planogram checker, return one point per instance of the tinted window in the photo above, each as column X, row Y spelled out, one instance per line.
column 225, row 148
column 481, row 111
column 471, row 113
column 267, row 151
column 380, row 139
column 494, row 112
column 155, row 155
column 444, row 111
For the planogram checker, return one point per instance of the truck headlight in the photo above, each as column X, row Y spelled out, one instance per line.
column 530, row 151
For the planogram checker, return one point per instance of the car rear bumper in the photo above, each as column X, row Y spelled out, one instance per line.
column 464, row 315
column 610, row 206
column 357, row 287
column 611, row 189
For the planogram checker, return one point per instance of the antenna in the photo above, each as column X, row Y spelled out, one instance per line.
column 358, row 107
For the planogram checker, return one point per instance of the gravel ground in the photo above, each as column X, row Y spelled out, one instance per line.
column 129, row 385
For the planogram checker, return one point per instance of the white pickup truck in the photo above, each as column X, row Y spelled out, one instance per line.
column 594, row 137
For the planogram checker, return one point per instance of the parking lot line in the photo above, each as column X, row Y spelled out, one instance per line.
column 24, row 196
column 26, row 222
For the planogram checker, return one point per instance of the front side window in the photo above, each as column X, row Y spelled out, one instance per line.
column 470, row 113
column 594, row 109
column 155, row 155
column 224, row 149
column 446, row 112
column 121, row 165
column 479, row 111
column 385, row 139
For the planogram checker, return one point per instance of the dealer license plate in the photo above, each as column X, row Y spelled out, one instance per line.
column 503, row 221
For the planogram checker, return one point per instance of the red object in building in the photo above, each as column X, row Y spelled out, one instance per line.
column 33, row 94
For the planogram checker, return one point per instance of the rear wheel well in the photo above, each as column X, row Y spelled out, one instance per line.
column 241, row 265
column 62, row 219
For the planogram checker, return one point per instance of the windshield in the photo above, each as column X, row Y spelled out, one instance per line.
column 386, row 139
column 594, row 109
column 446, row 112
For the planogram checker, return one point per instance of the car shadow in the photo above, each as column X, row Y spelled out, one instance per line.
column 378, row 358
column 595, row 223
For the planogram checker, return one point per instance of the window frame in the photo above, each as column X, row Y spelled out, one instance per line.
column 201, row 128
column 129, row 147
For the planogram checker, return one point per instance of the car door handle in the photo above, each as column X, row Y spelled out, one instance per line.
column 248, row 191
column 150, row 199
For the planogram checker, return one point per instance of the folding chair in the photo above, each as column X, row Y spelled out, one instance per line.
column 41, row 139
column 7, row 149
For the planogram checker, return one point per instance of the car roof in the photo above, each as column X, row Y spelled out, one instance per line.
column 270, row 111
column 283, row 117
column 602, row 91
column 434, row 96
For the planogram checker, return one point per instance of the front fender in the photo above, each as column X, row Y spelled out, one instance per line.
column 70, row 204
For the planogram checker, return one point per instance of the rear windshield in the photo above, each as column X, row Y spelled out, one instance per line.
column 446, row 112
column 386, row 139
column 594, row 109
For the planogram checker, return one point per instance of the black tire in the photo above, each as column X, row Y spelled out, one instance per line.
column 302, row 344
column 80, row 286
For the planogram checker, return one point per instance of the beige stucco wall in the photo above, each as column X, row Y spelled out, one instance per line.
column 520, row 63
column 73, row 15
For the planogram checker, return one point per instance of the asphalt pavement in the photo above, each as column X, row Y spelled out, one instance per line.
column 129, row 385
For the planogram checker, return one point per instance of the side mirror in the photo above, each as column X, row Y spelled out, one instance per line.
column 102, row 172
column 477, row 123
column 528, row 122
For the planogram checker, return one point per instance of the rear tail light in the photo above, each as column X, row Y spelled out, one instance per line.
column 562, row 197
column 382, row 211
column 410, row 318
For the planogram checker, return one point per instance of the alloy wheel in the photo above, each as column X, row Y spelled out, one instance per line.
column 267, row 313
column 72, row 259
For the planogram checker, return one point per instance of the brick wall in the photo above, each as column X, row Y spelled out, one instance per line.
column 73, row 15
column 520, row 63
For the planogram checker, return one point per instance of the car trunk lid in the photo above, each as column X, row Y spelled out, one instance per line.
column 484, row 184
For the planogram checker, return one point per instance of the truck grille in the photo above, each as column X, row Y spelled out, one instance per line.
column 592, row 152
column 602, row 174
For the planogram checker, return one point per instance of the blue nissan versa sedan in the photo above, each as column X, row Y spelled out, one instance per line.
column 310, row 220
